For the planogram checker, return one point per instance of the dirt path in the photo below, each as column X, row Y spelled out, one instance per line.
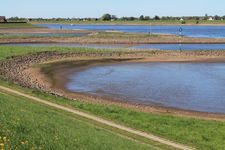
column 99, row 120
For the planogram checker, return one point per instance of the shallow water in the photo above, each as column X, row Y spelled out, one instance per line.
column 130, row 47
column 191, row 86
column 189, row 31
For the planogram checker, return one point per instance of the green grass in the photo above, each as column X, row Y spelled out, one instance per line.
column 30, row 125
column 10, row 51
column 17, row 25
column 201, row 134
column 39, row 35
column 112, row 35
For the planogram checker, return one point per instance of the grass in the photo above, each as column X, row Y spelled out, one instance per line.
column 201, row 134
column 39, row 35
column 99, row 38
column 111, row 35
column 10, row 51
column 28, row 125
column 17, row 25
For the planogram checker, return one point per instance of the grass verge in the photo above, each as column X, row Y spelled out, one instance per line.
column 11, row 51
column 17, row 25
column 201, row 134
column 28, row 125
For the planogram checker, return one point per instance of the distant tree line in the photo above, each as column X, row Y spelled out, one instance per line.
column 16, row 19
column 109, row 17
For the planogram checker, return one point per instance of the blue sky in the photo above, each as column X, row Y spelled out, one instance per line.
column 95, row 8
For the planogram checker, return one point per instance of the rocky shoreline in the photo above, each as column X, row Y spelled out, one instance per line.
column 15, row 68
column 12, row 69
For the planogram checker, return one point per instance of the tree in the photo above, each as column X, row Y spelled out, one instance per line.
column 128, row 18
column 147, row 18
column 223, row 17
column 141, row 17
column 114, row 17
column 106, row 17
column 166, row 18
column 156, row 18
column 217, row 17
column 206, row 17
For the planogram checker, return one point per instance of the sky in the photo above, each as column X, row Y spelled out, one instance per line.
column 96, row 8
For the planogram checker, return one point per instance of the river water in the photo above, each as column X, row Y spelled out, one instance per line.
column 189, row 31
column 190, row 86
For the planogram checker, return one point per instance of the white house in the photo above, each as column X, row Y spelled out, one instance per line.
column 181, row 19
column 211, row 19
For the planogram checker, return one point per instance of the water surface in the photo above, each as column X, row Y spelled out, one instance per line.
column 191, row 86
column 189, row 31
column 180, row 46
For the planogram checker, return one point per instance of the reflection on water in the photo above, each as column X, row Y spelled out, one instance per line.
column 192, row 86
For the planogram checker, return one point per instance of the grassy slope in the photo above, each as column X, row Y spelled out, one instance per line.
column 17, row 25
column 201, row 134
column 29, row 125
column 8, row 51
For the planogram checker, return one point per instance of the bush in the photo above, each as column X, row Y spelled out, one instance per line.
column 106, row 17
column 183, row 22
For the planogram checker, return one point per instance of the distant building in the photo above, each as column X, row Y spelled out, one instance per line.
column 2, row 19
column 181, row 19
column 211, row 19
